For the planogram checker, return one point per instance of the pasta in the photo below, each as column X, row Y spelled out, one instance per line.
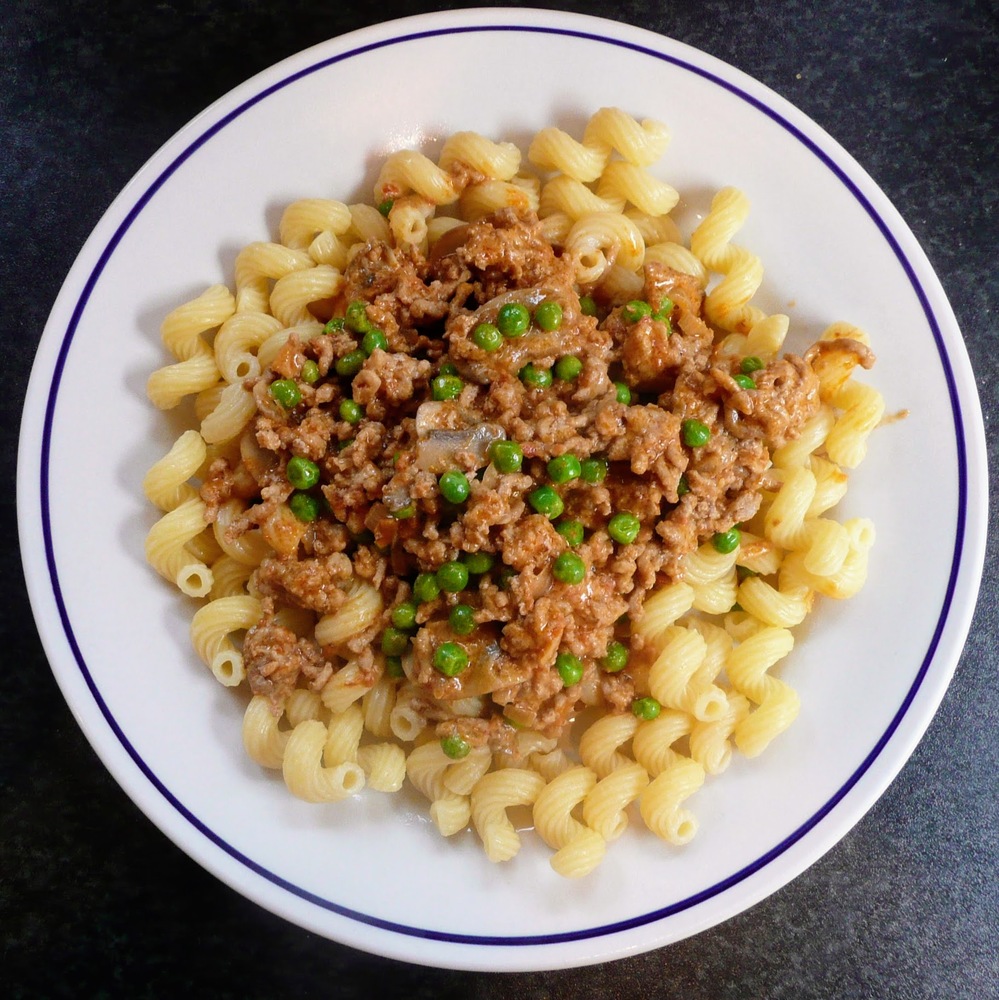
column 370, row 558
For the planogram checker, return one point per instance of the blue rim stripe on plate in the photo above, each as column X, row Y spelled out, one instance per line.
column 472, row 939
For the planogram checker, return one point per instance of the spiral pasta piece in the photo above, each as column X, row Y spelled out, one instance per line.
column 211, row 628
column 166, row 548
column 496, row 160
column 491, row 797
column 578, row 849
column 166, row 482
column 640, row 143
column 304, row 772
column 408, row 171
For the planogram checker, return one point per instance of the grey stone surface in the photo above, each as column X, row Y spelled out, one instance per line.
column 94, row 901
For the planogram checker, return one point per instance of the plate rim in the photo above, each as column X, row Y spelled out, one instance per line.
column 966, row 566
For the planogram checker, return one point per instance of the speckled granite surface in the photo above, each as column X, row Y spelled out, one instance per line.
column 94, row 901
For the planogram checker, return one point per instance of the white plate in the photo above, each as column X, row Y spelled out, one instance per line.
column 372, row 872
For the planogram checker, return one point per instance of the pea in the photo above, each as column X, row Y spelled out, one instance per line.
column 744, row 381
column 356, row 318
column 695, row 433
column 488, row 337
column 350, row 364
column 593, row 470
column 726, row 541
column 304, row 506
column 513, row 319
column 404, row 513
column 570, row 668
column 374, row 340
column 352, row 412
column 452, row 577
column 635, row 310
column 462, row 619
column 335, row 325
column 394, row 641
column 569, row 568
column 286, row 392
column 447, row 369
column 572, row 531
column 455, row 747
column 624, row 527
column 535, row 378
column 548, row 315
column 507, row 456
column 450, row 659
column 616, row 658
column 646, row 709
column 622, row 393
column 386, row 206
column 393, row 667
column 454, row 486
column 751, row 364
column 446, row 387
column 425, row 587
column 568, row 367
column 546, row 501
column 564, row 468
column 404, row 616
column 310, row 372
column 587, row 305
column 682, row 486
column 665, row 308
column 302, row 473
column 478, row 563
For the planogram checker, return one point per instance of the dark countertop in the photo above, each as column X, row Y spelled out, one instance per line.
column 95, row 901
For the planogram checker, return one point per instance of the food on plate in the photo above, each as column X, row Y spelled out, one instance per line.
column 497, row 458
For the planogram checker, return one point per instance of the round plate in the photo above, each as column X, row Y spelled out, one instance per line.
column 372, row 872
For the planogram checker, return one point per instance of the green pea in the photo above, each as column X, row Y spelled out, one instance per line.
column 478, row 563
column 587, row 305
column 304, row 506
column 462, row 619
column 564, row 468
column 744, row 381
column 447, row 369
column 682, row 486
column 488, row 337
column 450, row 659
column 310, row 372
column 302, row 473
column 695, row 433
column 507, row 456
column 726, row 541
column 616, row 658
column 404, row 616
column 386, row 206
column 546, row 501
column 572, row 531
column 454, row 486
column 548, row 315
column 751, row 364
column 568, row 368
column 403, row 513
column 426, row 588
column 455, row 747
column 665, row 308
column 374, row 340
column 356, row 318
column 335, row 325
column 646, row 709
column 446, row 387
column 352, row 412
column 635, row 310
column 624, row 527
column 569, row 568
column 535, row 378
column 622, row 393
column 394, row 641
column 513, row 319
column 350, row 364
column 393, row 667
column 593, row 470
column 452, row 577
column 286, row 392
column 570, row 668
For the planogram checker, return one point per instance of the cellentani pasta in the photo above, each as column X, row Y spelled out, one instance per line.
column 503, row 490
